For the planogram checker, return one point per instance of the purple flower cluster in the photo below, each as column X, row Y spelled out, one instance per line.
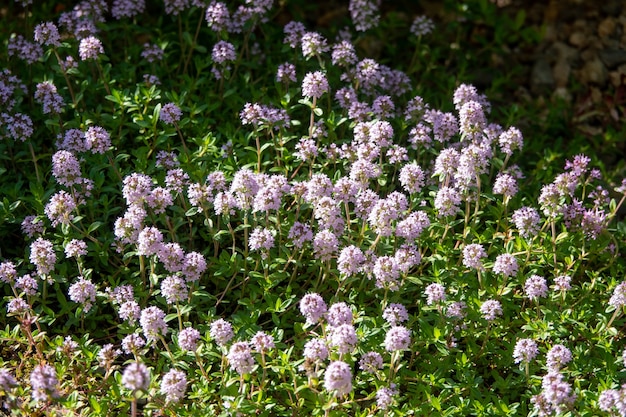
column 350, row 261
column 221, row 331
column 371, row 362
column 557, row 357
column 44, row 382
column 313, row 44
column 395, row 313
column 127, row 8
column 286, row 73
column 338, row 378
column 447, row 201
column 397, row 338
column 136, row 377
column 47, row 34
column 261, row 115
column 325, row 245
column 261, row 239
column 365, row 14
column 170, row 114
column 316, row 350
column 46, row 94
column 240, row 358
column 435, row 293
column 525, row 350
column 385, row 396
column 612, row 400
column 535, row 287
column 412, row 178
column 262, row 341
column 83, row 291
column 25, row 50
column 491, row 309
column 313, row 307
column 223, row 53
column 188, row 339
column 174, row 385
column 473, row 255
column 314, row 84
column 527, row 221
column 97, row 140
column 422, row 25
column 89, row 48
column 60, row 207
column 506, row 264
column 42, row 256
column 152, row 322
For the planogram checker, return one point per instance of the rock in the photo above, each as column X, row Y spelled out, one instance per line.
column 607, row 27
column 613, row 57
column 594, row 72
column 562, row 93
column 612, row 7
column 561, row 72
column 541, row 78
column 578, row 39
column 617, row 77
column 565, row 53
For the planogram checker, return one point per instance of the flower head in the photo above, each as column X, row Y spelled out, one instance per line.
column 314, row 84
column 397, row 338
column 490, row 309
column 89, row 48
column 170, row 113
column 173, row 385
column 136, row 377
column 221, row 331
column 240, row 358
column 338, row 378
column 525, row 350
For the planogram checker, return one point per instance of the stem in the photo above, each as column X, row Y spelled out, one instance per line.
column 617, row 312
column 32, row 153
column 312, row 119
column 258, row 152
column 193, row 44
column 180, row 135
column 104, row 80
column 133, row 406
column 67, row 80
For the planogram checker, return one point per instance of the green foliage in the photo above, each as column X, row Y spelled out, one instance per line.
column 225, row 182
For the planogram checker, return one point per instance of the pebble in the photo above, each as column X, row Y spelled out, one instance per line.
column 541, row 78
column 613, row 57
column 607, row 27
column 594, row 72
column 561, row 72
column 566, row 53
column 578, row 39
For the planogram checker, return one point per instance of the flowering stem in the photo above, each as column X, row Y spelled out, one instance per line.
column 552, row 227
column 180, row 135
column 32, row 153
column 193, row 44
column 180, row 319
column 133, row 406
column 615, row 314
column 201, row 366
column 142, row 269
column 67, row 80
column 167, row 348
column 258, row 153
column 485, row 340
column 312, row 119
column 104, row 80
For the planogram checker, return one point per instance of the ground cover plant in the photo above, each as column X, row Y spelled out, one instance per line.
column 209, row 209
